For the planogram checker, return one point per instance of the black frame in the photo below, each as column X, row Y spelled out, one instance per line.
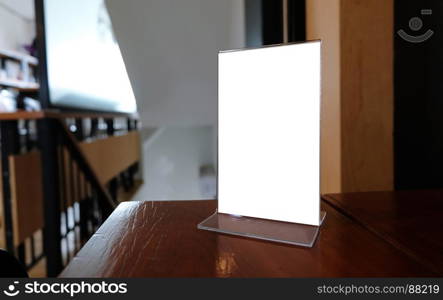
column 264, row 21
column 296, row 20
column 41, row 46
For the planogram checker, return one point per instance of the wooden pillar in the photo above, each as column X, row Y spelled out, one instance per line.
column 357, row 90
column 323, row 22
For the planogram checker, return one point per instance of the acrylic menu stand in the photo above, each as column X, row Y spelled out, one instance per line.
column 269, row 144
column 263, row 229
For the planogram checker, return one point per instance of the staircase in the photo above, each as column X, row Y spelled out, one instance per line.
column 62, row 175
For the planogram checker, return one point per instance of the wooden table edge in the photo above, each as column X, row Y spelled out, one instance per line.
column 336, row 204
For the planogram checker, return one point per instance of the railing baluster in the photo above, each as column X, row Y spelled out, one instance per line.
column 113, row 183
column 80, row 185
column 28, row 142
column 84, row 210
column 32, row 244
column 94, row 127
column 63, row 158
column 66, row 204
column 21, row 253
column 75, row 199
column 79, row 132
column 48, row 142
column 9, row 145
column 132, row 170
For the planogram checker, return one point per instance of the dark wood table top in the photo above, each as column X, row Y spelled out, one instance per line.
column 161, row 239
column 412, row 221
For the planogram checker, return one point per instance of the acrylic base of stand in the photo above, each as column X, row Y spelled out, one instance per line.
column 269, row 230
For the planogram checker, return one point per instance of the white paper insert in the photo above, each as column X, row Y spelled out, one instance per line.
column 269, row 133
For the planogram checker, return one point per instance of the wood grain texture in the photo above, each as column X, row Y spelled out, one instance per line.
column 412, row 221
column 161, row 239
column 367, row 100
column 110, row 156
column 22, row 115
column 357, row 92
column 26, row 194
column 323, row 22
column 56, row 114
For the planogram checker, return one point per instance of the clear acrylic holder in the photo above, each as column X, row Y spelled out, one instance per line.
column 263, row 229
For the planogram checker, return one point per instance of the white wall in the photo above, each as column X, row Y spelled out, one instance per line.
column 170, row 48
column 171, row 163
column 17, row 25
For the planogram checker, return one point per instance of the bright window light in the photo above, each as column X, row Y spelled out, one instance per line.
column 85, row 66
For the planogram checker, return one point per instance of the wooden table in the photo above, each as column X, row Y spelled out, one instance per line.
column 412, row 221
column 161, row 239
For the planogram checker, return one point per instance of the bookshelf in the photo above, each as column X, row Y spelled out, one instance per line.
column 20, row 85
column 19, row 57
column 24, row 84
column 26, row 64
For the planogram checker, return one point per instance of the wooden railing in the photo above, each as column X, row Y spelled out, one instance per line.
column 60, row 180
